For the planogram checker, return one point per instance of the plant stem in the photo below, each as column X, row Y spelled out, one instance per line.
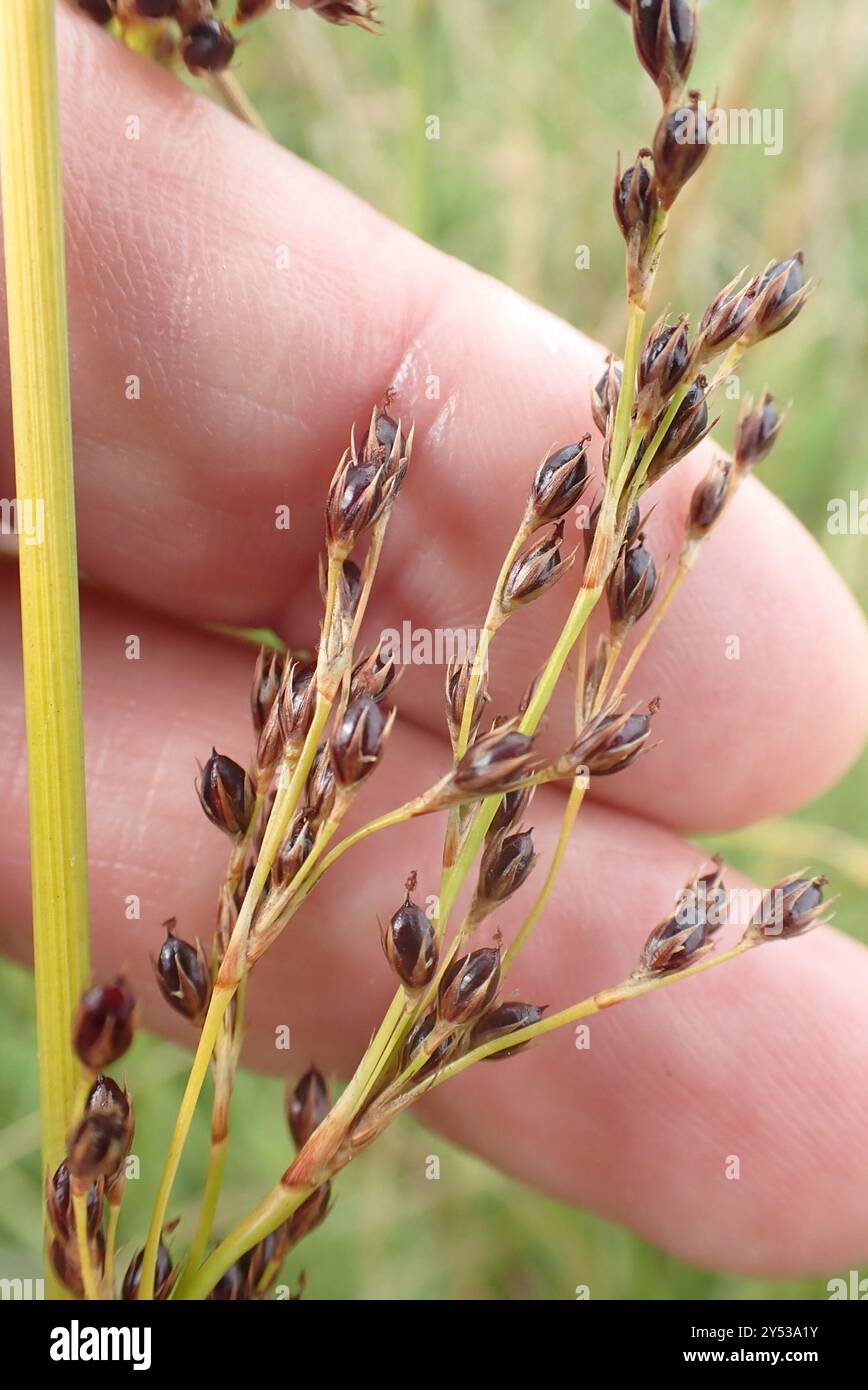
column 595, row 1003
column 85, row 1254
column 38, row 354
column 238, row 102
column 573, row 806
column 213, row 1181
column 280, row 1203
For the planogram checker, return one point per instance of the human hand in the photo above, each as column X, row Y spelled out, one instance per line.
column 250, row 377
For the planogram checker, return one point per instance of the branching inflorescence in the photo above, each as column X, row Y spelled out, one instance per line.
column 322, row 728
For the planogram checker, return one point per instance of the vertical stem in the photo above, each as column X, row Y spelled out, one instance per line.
column 36, row 308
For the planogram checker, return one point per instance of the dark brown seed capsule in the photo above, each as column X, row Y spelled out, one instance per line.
column 690, row 424
column 631, row 586
column 604, row 396
column 350, row 588
column 664, row 358
column 208, row 47
column 510, row 811
column 536, row 571
column 99, row 10
column 374, row 675
column 183, row 976
column 312, row 1212
column 457, row 690
column 226, row 794
column 256, row 1261
column 506, row 865
column 163, row 1277
column 297, row 701
column 781, row 295
column 727, row 317
column 410, row 944
column 672, row 946
column 321, row 788
column 664, row 32
column 502, row 1020
column 559, row 483
column 106, row 1095
column 58, row 1202
column 63, row 1259
column 634, row 200
column 104, row 1024
column 309, row 1104
column 680, row 145
column 231, row 1287
column 496, row 760
column 353, row 502
column 97, row 1147
column 356, row 746
column 792, row 907
column 295, row 849
column 709, row 499
column 756, row 432
column 469, row 986
column 609, row 743
column 267, row 676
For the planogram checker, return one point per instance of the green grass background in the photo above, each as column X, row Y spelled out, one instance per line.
column 533, row 100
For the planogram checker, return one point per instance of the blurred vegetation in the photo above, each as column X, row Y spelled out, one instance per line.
column 533, row 101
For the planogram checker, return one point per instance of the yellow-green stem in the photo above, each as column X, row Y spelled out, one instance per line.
column 571, row 811
column 85, row 1253
column 213, row 1182
column 111, row 1235
column 595, row 1003
column 36, row 310
column 280, row 1203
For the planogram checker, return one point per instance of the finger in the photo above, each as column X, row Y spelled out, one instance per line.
column 249, row 374
column 756, row 1071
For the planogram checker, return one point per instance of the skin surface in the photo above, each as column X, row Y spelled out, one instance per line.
column 251, row 376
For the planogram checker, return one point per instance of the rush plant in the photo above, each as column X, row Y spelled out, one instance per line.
column 321, row 729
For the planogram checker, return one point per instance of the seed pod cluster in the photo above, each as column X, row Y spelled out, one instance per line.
column 183, row 976
column 366, row 483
